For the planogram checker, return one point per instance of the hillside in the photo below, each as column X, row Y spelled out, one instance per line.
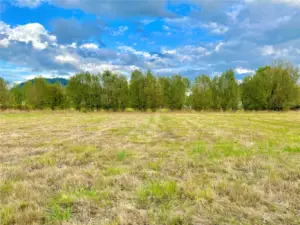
column 60, row 80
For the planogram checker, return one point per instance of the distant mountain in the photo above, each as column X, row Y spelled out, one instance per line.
column 62, row 81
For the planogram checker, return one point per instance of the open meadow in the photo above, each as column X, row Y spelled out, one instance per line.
column 149, row 168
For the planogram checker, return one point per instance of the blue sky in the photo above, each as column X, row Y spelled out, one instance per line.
column 57, row 38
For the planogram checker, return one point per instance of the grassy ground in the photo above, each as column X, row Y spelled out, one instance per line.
column 160, row 168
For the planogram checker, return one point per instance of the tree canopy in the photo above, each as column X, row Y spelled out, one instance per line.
column 274, row 87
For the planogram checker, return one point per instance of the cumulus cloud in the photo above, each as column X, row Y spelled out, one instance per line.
column 66, row 59
column 89, row 46
column 218, row 35
column 33, row 33
column 241, row 70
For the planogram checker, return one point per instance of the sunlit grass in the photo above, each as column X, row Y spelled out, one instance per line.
column 149, row 168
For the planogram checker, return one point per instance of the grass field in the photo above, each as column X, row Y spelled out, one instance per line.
column 149, row 168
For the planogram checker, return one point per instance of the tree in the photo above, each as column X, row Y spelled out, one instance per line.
column 84, row 91
column 121, row 92
column 216, row 95
column 56, row 96
column 36, row 93
column 178, row 89
column 114, row 91
column 18, row 96
column 153, row 92
column 165, row 87
column 5, row 98
column 138, row 99
column 201, row 96
column 228, row 91
column 256, row 90
column 284, row 85
column 272, row 87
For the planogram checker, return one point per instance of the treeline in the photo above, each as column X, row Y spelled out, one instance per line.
column 273, row 87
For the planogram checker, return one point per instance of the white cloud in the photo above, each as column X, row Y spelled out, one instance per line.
column 101, row 67
column 295, row 3
column 46, row 74
column 169, row 52
column 165, row 27
column 188, row 23
column 66, row 59
column 28, row 3
column 120, row 31
column 146, row 22
column 89, row 46
column 235, row 12
column 33, row 33
column 218, row 46
column 216, row 28
column 268, row 50
column 241, row 70
column 4, row 43
column 73, row 45
column 144, row 54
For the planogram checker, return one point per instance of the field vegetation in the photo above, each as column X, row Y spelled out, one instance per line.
column 68, row 167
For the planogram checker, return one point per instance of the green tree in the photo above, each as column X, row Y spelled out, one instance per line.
column 256, row 91
column 178, row 89
column 216, row 94
column 36, row 93
column 165, row 87
column 153, row 92
column 5, row 97
column 272, row 87
column 121, row 89
column 84, row 91
column 18, row 96
column 56, row 98
column 228, row 91
column 201, row 96
column 284, row 85
column 114, row 91
column 138, row 99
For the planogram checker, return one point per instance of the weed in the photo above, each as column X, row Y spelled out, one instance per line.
column 122, row 155
column 157, row 192
column 295, row 149
column 7, row 216
column 155, row 165
column 199, row 148
column 56, row 212
column 113, row 171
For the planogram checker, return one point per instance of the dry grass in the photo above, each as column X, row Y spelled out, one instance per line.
column 143, row 168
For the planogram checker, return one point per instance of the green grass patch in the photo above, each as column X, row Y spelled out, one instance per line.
column 157, row 192
column 7, row 215
column 111, row 171
column 58, row 213
column 122, row 155
column 6, row 188
column 155, row 165
column 198, row 148
column 83, row 148
column 295, row 149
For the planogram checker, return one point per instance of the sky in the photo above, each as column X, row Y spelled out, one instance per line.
column 58, row 38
